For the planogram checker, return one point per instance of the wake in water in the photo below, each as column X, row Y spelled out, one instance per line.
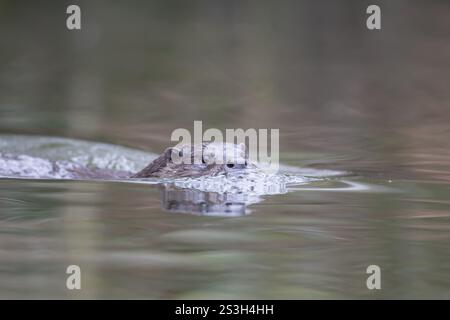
column 30, row 157
column 60, row 158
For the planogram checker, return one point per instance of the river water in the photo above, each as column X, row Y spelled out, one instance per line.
column 363, row 115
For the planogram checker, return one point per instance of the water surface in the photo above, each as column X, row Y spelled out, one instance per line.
column 372, row 104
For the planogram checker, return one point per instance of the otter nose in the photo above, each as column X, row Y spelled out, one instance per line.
column 237, row 166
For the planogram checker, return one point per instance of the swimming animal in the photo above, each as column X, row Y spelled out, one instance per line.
column 206, row 159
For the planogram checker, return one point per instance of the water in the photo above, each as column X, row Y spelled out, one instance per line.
column 371, row 106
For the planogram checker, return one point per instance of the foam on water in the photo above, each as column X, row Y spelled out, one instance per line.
column 251, row 181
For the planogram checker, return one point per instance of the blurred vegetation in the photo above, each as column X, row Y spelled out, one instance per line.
column 372, row 102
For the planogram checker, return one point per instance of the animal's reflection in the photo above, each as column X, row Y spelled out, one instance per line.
column 198, row 202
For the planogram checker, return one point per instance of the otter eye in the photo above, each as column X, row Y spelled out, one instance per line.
column 180, row 153
column 230, row 165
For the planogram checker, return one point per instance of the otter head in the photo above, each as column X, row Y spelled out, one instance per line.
column 198, row 160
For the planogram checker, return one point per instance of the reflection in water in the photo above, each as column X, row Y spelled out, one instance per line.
column 203, row 203
column 199, row 202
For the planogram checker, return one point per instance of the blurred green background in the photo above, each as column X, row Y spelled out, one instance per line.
column 374, row 103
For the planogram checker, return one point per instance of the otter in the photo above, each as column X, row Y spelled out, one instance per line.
column 209, row 158
column 186, row 160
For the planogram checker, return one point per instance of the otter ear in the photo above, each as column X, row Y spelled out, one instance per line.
column 155, row 166
column 242, row 146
